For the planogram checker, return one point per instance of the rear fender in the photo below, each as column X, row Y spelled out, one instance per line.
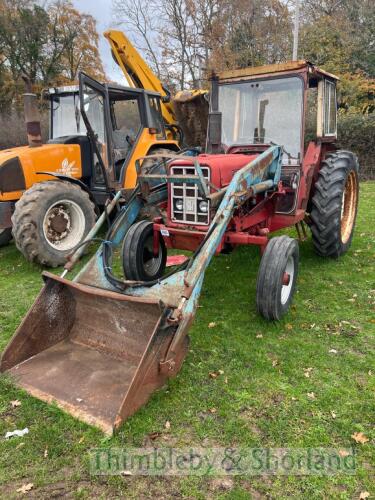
column 73, row 180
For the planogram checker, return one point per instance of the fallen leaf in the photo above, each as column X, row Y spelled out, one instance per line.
column 25, row 488
column 17, row 433
column 126, row 473
column 226, row 380
column 212, row 324
column 363, row 495
column 46, row 453
column 15, row 403
column 294, row 399
column 213, row 374
column 333, row 351
column 333, row 414
column 259, row 336
column 359, row 437
column 220, row 372
column 307, row 372
column 275, row 362
column 154, row 435
column 311, row 395
column 167, row 424
column 212, row 410
column 288, row 326
column 369, row 372
column 343, row 453
column 81, row 439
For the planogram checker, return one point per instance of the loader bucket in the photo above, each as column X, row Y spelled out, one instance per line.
column 94, row 352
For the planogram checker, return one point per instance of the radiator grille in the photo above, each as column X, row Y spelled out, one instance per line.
column 189, row 213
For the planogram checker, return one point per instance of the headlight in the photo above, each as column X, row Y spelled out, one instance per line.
column 203, row 206
column 179, row 204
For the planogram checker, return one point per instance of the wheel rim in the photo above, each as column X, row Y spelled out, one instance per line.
column 64, row 225
column 348, row 206
column 151, row 264
column 286, row 289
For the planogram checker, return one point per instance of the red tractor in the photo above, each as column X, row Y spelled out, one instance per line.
column 250, row 110
column 99, row 345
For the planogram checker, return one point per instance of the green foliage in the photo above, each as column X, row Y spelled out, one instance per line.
column 340, row 37
column 23, row 38
column 49, row 45
column 356, row 132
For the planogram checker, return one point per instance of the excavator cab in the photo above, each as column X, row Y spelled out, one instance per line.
column 121, row 122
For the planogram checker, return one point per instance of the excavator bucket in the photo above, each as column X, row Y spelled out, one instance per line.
column 94, row 352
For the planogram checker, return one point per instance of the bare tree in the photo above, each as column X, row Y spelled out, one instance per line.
column 141, row 20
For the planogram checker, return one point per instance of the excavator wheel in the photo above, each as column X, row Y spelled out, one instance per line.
column 5, row 236
column 139, row 261
column 277, row 277
column 51, row 219
column 334, row 204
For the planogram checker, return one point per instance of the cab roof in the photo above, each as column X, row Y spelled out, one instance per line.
column 269, row 69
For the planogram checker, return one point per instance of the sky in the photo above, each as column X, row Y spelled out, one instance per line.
column 101, row 10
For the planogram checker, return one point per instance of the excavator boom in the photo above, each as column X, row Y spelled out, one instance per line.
column 188, row 109
column 138, row 72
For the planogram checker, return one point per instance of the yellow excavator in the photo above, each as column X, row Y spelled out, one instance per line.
column 187, row 110
column 51, row 194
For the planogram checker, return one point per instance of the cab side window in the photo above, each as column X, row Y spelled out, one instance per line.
column 330, row 109
column 126, row 117
column 156, row 117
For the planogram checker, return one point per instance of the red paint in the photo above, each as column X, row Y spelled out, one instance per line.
column 176, row 260
column 251, row 224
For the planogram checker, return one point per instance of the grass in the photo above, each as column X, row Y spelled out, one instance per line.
column 261, row 399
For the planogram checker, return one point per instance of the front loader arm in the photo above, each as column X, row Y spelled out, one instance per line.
column 259, row 175
column 138, row 72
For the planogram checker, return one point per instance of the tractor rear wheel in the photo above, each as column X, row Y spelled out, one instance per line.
column 277, row 277
column 334, row 204
column 139, row 261
column 5, row 236
column 51, row 219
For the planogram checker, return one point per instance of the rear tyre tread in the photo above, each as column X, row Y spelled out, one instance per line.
column 326, row 203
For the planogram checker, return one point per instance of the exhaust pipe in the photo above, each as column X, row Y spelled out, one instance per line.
column 32, row 116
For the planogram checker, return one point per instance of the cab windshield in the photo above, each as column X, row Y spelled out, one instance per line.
column 65, row 115
column 263, row 112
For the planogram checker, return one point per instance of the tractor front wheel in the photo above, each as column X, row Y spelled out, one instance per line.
column 139, row 260
column 334, row 204
column 277, row 277
column 50, row 220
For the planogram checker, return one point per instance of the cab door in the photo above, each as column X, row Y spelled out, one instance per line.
column 94, row 111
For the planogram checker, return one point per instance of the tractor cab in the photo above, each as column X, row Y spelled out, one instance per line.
column 282, row 104
column 268, row 104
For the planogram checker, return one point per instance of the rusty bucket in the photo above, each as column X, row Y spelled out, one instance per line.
column 94, row 352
